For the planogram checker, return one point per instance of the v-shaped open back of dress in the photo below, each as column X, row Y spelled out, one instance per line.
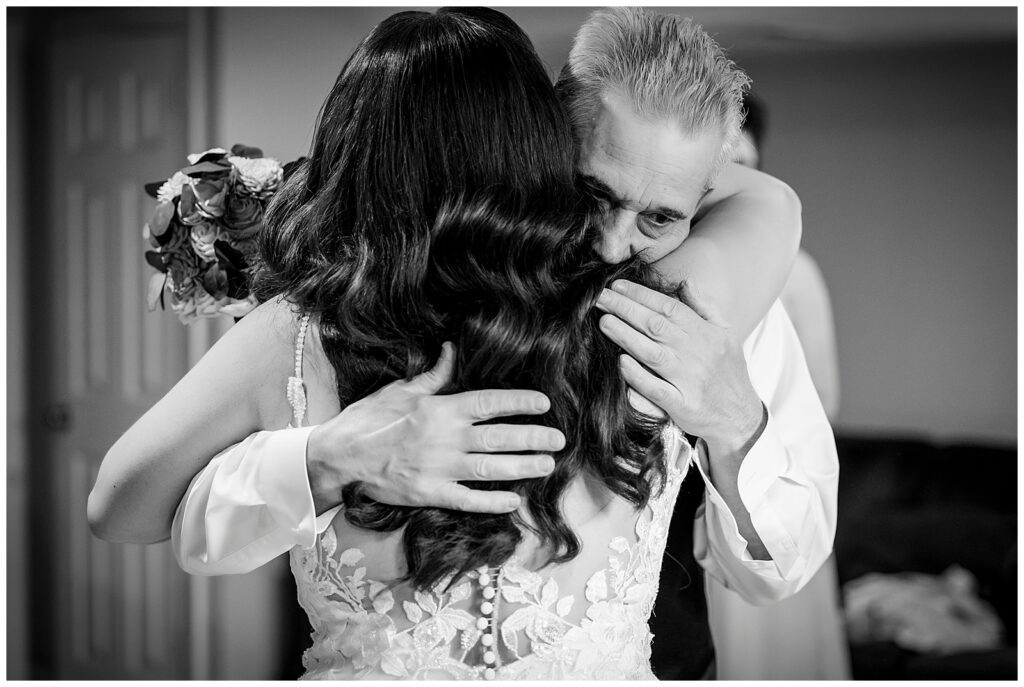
column 584, row 619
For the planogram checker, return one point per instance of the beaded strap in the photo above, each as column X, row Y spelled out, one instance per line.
column 296, row 389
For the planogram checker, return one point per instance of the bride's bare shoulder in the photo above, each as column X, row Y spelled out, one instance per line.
column 265, row 340
column 275, row 317
column 273, row 327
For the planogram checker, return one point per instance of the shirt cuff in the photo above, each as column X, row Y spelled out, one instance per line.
column 766, row 463
column 284, row 482
column 724, row 522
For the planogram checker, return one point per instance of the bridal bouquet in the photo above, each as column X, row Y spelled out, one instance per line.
column 203, row 231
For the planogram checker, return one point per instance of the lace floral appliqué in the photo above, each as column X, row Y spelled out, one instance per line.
column 360, row 630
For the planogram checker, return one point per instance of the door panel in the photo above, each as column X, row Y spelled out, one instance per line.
column 116, row 118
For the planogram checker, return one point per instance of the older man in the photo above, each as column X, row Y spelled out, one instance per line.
column 655, row 107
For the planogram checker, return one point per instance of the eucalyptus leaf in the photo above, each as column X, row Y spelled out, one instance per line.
column 161, row 219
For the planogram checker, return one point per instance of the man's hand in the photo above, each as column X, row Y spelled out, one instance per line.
column 700, row 380
column 700, row 375
column 410, row 447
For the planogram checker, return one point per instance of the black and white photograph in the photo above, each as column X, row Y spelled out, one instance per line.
column 511, row 342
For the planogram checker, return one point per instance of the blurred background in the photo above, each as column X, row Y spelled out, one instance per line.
column 896, row 126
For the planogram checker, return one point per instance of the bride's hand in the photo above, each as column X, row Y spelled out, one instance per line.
column 410, row 447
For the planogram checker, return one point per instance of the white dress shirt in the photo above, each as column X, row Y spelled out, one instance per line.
column 253, row 501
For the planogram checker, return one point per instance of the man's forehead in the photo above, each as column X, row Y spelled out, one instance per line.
column 621, row 138
column 640, row 174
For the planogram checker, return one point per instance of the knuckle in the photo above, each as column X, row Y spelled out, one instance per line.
column 657, row 325
column 671, row 308
column 660, row 357
column 490, row 438
column 421, row 406
column 485, row 403
column 661, row 393
column 482, row 468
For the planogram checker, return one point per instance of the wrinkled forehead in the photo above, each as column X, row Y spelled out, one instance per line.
column 642, row 161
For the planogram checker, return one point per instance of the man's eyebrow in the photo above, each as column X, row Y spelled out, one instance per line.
column 669, row 212
column 597, row 185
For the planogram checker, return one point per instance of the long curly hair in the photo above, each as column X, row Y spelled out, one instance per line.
column 440, row 202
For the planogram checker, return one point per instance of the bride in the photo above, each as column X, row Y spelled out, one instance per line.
column 440, row 204
column 439, row 216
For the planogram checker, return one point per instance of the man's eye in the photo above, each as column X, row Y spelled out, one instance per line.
column 657, row 220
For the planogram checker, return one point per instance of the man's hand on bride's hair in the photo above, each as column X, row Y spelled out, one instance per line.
column 410, row 447
column 683, row 359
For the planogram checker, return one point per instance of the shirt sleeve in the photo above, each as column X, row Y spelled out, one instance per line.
column 250, row 504
column 788, row 480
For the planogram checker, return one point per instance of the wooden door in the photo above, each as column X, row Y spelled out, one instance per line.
column 113, row 108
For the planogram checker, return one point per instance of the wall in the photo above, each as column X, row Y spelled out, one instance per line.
column 904, row 161
column 275, row 66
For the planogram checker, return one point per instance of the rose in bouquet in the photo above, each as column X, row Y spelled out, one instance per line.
column 203, row 231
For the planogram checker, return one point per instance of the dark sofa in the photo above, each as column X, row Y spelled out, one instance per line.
column 908, row 504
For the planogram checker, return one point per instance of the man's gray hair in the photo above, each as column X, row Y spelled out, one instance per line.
column 665, row 65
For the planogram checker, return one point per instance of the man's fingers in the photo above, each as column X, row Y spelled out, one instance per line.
column 678, row 313
column 499, row 467
column 434, row 379
column 653, row 324
column 651, row 353
column 640, row 402
column 461, row 497
column 650, row 386
column 492, row 403
column 507, row 438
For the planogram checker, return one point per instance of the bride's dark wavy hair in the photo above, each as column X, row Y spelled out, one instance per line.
column 440, row 202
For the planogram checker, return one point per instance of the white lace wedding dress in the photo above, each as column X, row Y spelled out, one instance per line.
column 581, row 620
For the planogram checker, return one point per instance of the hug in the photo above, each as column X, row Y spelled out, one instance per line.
column 518, row 377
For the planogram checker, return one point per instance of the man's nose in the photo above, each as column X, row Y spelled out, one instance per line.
column 616, row 242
